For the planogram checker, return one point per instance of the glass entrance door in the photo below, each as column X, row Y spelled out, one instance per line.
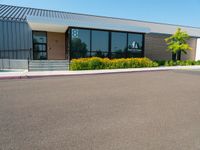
column 39, row 52
column 39, row 45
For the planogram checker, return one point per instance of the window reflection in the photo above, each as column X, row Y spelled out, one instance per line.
column 80, row 44
column 100, row 41
column 89, row 43
column 99, row 54
column 39, row 45
column 118, row 44
column 39, row 37
column 135, row 45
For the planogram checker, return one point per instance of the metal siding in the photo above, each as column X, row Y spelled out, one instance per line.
column 14, row 45
column 15, row 36
column 5, row 30
column 13, row 13
column 18, row 37
column 4, row 10
column 30, row 43
column 1, row 35
column 19, row 13
column 22, row 36
column 9, row 37
column 25, row 35
column 7, row 12
column 2, row 7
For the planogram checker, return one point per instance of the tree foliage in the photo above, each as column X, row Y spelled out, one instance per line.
column 177, row 43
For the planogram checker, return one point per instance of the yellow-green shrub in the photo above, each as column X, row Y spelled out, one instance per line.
column 95, row 63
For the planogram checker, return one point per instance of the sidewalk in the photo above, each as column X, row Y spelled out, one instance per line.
column 26, row 74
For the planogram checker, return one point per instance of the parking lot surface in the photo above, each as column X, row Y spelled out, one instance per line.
column 125, row 111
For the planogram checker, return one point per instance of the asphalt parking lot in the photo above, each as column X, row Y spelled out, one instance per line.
column 127, row 111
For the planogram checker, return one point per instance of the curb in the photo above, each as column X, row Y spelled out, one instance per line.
column 78, row 74
column 29, row 75
column 103, row 73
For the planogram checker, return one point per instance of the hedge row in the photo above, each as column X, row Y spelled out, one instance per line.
column 178, row 63
column 95, row 63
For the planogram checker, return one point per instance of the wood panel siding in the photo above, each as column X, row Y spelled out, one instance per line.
column 56, row 46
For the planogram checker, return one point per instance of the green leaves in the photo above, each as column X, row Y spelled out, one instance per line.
column 178, row 42
column 95, row 63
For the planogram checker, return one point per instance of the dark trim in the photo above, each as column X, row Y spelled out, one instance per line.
column 109, row 44
column 46, row 44
column 90, row 43
column 143, row 45
column 69, row 41
column 40, row 31
column 127, row 46
column 66, row 44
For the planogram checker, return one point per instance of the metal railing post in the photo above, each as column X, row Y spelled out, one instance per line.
column 28, row 64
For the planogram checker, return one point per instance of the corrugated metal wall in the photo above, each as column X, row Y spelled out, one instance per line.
column 15, row 39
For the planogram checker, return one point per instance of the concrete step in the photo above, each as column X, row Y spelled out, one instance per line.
column 56, row 67
column 48, row 69
column 48, row 65
column 48, row 62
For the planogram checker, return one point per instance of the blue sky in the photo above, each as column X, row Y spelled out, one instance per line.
column 183, row 12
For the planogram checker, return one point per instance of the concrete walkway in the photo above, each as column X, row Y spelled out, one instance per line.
column 25, row 74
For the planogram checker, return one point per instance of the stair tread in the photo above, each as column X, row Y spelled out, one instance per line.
column 48, row 65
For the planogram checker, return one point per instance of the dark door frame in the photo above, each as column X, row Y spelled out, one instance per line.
column 45, row 44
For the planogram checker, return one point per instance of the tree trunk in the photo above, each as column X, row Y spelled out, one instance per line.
column 179, row 55
column 174, row 56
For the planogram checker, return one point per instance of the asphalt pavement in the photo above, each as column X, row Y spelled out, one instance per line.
column 125, row 111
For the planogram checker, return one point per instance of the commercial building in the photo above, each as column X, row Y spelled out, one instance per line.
column 39, row 34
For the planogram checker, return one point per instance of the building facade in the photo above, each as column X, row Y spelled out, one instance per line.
column 29, row 33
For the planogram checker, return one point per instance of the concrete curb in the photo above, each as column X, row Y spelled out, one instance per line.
column 25, row 74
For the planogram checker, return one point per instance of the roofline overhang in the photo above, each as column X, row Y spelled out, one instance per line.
column 61, row 25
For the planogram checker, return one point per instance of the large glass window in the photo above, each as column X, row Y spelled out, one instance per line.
column 39, row 45
column 39, row 37
column 80, row 43
column 118, row 44
column 135, row 45
column 100, row 41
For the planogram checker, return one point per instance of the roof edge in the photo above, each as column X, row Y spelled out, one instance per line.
column 84, row 14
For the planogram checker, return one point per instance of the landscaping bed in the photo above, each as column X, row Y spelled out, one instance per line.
column 178, row 63
column 96, row 63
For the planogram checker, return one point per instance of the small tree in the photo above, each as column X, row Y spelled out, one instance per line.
column 177, row 43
